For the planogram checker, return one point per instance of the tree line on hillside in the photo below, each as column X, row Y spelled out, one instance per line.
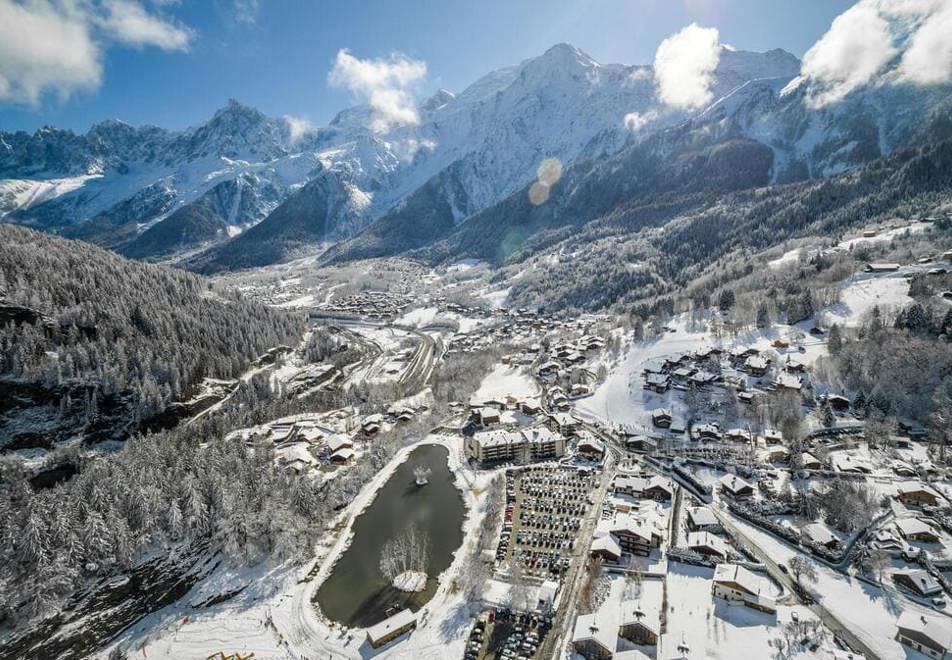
column 124, row 327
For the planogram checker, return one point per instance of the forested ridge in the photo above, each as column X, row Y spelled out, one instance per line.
column 650, row 249
column 80, row 315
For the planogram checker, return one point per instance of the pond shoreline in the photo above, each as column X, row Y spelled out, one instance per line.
column 369, row 496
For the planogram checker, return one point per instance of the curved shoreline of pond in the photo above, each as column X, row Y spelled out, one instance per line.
column 445, row 559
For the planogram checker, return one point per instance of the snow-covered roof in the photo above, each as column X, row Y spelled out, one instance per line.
column 399, row 620
column 592, row 628
column 709, row 541
column 930, row 627
column 606, row 543
column 818, row 533
column 702, row 516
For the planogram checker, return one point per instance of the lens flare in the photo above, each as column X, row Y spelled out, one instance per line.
column 539, row 193
column 550, row 171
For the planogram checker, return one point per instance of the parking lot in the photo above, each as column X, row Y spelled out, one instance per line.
column 545, row 507
column 503, row 635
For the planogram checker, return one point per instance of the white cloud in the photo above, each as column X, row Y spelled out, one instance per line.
column 635, row 121
column 928, row 59
column 851, row 54
column 684, row 66
column 43, row 47
column 56, row 46
column 129, row 23
column 865, row 42
column 298, row 127
column 385, row 84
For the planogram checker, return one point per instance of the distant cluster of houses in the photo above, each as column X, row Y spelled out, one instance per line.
column 368, row 304
column 302, row 445
column 702, row 368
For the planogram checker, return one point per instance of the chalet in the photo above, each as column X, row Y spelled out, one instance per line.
column 738, row 435
column 590, row 447
column 931, row 636
column 661, row 418
column 498, row 404
column 391, row 628
column 741, row 352
column 654, row 488
column 913, row 529
column 918, row 581
column 606, row 546
column 810, row 462
column 580, row 390
column 677, row 426
column 335, row 443
column 756, row 365
column 916, row 494
column 851, row 464
column 788, row 381
column 530, row 407
column 653, row 367
column 703, row 377
column 736, row 583
column 702, row 519
column 342, row 456
column 837, row 402
column 903, row 469
column 819, row 534
column 746, row 397
column 371, row 425
column 772, row 436
column 311, row 434
column 635, row 536
column 489, row 416
column 793, row 365
column 549, row 368
column 640, row 622
column 593, row 638
column 279, row 433
column 641, row 443
column 564, row 423
column 707, row 432
column 657, row 382
column 882, row 267
column 684, row 373
column 707, row 544
column 775, row 454
column 780, row 343
column 658, row 488
column 736, row 487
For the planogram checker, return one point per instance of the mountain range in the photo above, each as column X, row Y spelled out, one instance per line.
column 245, row 190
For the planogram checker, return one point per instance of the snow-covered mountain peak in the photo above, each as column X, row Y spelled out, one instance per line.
column 438, row 100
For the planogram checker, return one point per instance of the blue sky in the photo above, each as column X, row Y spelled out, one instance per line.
column 276, row 54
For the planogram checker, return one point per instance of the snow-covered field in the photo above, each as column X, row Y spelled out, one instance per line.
column 713, row 628
column 506, row 380
column 864, row 291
